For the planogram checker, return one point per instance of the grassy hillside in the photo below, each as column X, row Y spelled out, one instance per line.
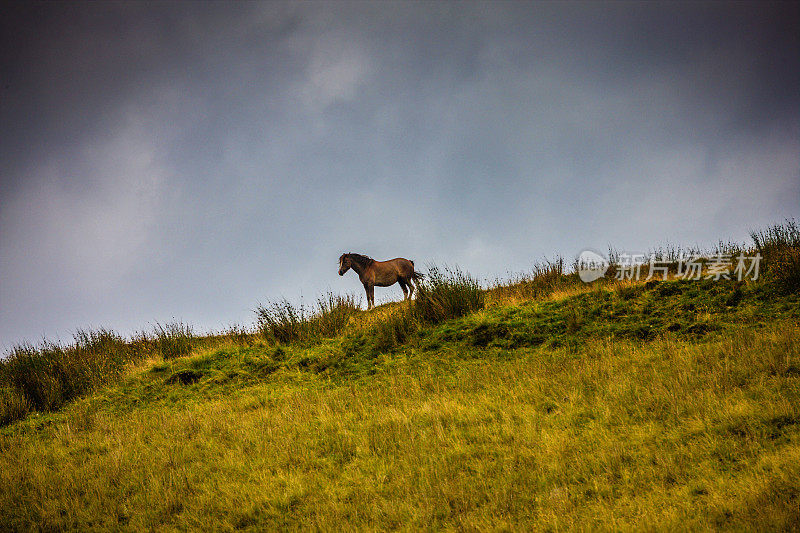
column 539, row 404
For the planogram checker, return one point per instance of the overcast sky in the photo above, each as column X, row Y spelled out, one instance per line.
column 190, row 160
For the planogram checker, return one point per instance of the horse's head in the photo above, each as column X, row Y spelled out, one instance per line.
column 344, row 264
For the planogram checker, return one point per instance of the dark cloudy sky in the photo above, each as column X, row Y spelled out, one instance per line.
column 191, row 159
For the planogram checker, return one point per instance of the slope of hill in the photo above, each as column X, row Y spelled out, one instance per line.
column 546, row 404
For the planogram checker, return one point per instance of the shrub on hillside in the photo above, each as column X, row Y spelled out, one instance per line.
column 333, row 313
column 283, row 322
column 548, row 276
column 779, row 246
column 445, row 294
column 173, row 339
column 45, row 377
column 239, row 335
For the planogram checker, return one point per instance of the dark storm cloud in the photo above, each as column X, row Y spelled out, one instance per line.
column 191, row 159
column 70, row 69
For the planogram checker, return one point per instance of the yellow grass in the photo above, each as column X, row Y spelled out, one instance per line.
column 666, row 435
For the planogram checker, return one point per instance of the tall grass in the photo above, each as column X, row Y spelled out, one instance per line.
column 544, row 278
column 173, row 339
column 447, row 293
column 779, row 245
column 334, row 313
column 238, row 335
column 548, row 276
column 671, row 257
column 44, row 377
column 283, row 322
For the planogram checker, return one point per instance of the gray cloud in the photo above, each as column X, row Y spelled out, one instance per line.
column 189, row 160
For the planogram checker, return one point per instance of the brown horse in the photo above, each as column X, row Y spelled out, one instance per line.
column 380, row 273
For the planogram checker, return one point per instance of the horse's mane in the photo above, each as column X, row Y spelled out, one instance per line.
column 362, row 260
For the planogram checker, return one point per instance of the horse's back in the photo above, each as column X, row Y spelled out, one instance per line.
column 399, row 266
column 404, row 266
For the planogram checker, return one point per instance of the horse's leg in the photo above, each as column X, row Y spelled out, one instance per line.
column 370, row 295
column 402, row 283
column 410, row 287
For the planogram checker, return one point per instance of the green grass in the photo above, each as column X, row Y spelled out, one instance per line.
column 686, row 309
column 538, row 404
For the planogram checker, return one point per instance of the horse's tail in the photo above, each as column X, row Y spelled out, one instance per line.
column 414, row 274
